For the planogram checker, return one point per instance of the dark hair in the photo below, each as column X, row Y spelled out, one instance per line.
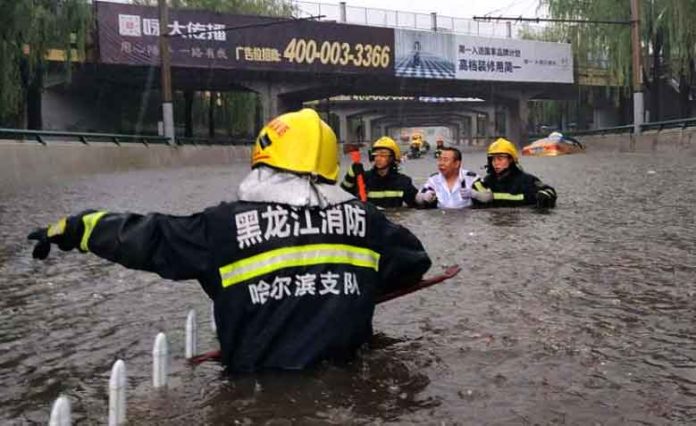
column 457, row 153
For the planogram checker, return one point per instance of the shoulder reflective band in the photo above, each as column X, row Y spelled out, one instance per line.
column 508, row 197
column 289, row 257
column 385, row 194
column 90, row 221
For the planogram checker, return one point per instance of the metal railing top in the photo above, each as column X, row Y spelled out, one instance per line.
column 42, row 136
column 414, row 20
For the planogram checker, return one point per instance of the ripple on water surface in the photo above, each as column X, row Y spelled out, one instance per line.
column 585, row 314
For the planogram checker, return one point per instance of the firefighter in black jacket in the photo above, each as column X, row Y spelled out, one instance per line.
column 385, row 186
column 293, row 267
column 506, row 185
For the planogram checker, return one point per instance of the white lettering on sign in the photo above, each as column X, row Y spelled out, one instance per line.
column 137, row 26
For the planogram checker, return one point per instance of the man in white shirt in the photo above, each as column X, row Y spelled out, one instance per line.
column 452, row 186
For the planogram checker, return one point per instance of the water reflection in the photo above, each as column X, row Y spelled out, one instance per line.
column 379, row 385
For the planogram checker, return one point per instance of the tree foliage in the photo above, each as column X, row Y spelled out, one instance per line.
column 234, row 111
column 29, row 29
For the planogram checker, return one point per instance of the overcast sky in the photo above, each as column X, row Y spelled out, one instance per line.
column 455, row 8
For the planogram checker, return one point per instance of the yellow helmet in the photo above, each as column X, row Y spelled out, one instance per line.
column 299, row 142
column 504, row 146
column 385, row 142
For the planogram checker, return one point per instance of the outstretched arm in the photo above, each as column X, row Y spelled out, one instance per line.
column 175, row 247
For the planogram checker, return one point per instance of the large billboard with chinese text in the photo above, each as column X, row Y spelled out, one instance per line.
column 504, row 59
column 427, row 54
column 128, row 34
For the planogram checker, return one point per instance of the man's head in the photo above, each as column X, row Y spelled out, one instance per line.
column 299, row 142
column 501, row 155
column 385, row 153
column 449, row 162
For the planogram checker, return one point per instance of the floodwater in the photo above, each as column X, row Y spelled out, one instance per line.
column 583, row 315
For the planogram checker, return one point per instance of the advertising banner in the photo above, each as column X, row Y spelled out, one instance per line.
column 427, row 54
column 128, row 34
column 424, row 54
column 479, row 58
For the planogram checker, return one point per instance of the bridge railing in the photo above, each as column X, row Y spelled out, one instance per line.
column 412, row 20
column 45, row 136
column 680, row 123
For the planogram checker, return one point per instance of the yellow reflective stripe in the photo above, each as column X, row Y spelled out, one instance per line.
column 479, row 186
column 90, row 221
column 57, row 228
column 289, row 257
column 350, row 172
column 347, row 184
column 508, row 197
column 385, row 194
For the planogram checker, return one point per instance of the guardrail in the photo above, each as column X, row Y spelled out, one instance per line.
column 392, row 18
column 680, row 123
column 44, row 136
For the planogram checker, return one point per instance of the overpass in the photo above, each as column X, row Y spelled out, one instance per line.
column 289, row 61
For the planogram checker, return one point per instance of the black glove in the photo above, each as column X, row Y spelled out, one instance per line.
column 357, row 169
column 546, row 198
column 66, row 234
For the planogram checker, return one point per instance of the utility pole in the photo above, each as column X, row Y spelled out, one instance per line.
column 167, row 106
column 638, row 105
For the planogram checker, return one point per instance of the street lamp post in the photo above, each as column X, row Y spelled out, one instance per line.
column 638, row 105
column 167, row 106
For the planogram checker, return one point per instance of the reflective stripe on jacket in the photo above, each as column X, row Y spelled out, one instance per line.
column 291, row 286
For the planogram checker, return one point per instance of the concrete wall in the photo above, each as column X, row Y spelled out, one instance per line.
column 30, row 163
column 674, row 141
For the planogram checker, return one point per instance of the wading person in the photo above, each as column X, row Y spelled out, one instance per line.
column 451, row 186
column 507, row 185
column 293, row 267
column 385, row 186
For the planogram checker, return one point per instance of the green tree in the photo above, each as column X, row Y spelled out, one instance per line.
column 235, row 111
column 29, row 29
column 668, row 38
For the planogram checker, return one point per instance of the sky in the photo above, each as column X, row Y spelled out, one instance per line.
column 454, row 8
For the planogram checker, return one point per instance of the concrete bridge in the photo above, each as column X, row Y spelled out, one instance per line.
column 291, row 62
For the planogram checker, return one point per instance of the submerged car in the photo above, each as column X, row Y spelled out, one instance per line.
column 554, row 144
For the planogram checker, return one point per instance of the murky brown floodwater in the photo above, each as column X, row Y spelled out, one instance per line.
column 585, row 315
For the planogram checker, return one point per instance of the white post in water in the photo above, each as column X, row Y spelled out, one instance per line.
column 213, row 325
column 60, row 413
column 117, row 394
column 160, row 354
column 191, row 334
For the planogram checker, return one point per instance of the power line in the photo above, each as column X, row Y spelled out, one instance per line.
column 280, row 21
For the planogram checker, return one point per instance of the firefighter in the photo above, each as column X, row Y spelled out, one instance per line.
column 416, row 145
column 507, row 185
column 293, row 267
column 385, row 186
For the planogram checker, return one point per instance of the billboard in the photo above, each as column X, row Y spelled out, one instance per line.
column 129, row 34
column 426, row 54
column 502, row 59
